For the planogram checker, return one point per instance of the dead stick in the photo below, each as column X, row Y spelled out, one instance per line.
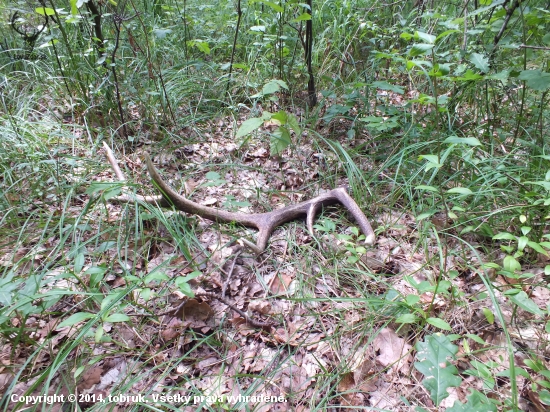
column 252, row 322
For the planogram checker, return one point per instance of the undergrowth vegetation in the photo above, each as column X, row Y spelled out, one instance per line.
column 433, row 114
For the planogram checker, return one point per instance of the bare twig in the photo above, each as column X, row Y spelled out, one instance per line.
column 509, row 12
column 525, row 46
column 230, row 273
column 252, row 322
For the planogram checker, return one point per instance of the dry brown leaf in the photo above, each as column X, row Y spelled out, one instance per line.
column 260, row 306
column 173, row 329
column 90, row 377
column 196, row 312
column 280, row 284
column 5, row 380
column 541, row 296
column 294, row 380
column 119, row 282
column 392, row 351
column 346, row 387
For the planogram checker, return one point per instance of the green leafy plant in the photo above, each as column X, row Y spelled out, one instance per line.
column 434, row 357
column 280, row 138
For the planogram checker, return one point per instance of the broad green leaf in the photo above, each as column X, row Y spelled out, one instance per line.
column 537, row 247
column 292, row 121
column 511, row 264
column 469, row 76
column 519, row 372
column 161, row 33
column 412, row 299
column 160, row 276
column 481, row 371
column 542, row 183
column 145, row 293
column 460, row 190
column 103, row 247
column 489, row 315
column 491, row 5
column 281, row 116
column 96, row 269
column 428, row 188
column 407, row 318
column 503, row 75
column 45, row 11
column 260, row 29
column 433, row 356
column 439, row 323
column 79, row 262
column 418, row 63
column 302, row 17
column 544, row 397
column 480, row 62
column 212, row 176
column 117, row 317
column 101, row 186
column 536, row 79
column 388, row 86
column 504, row 236
column 248, row 126
column 96, row 274
column 76, row 318
column 440, row 70
column 470, row 141
column 7, row 285
column 274, row 6
column 425, row 215
column 475, row 338
column 185, row 289
column 271, row 87
column 523, row 301
column 98, row 334
column 280, row 140
column 188, row 277
column 433, row 161
column 446, row 33
column 112, row 192
column 477, row 402
column 419, row 49
column 522, row 242
column 200, row 44
column 428, row 38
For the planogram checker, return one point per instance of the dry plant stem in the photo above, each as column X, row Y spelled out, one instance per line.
column 266, row 222
column 153, row 200
column 252, row 322
column 230, row 273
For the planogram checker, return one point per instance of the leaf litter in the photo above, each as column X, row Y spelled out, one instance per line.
column 210, row 351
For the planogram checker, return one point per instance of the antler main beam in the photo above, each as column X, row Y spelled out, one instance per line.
column 264, row 222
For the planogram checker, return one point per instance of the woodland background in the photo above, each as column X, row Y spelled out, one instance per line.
column 434, row 114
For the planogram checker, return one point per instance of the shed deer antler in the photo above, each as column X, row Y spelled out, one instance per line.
column 264, row 222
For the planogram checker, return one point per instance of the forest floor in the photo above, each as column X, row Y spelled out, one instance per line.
column 348, row 321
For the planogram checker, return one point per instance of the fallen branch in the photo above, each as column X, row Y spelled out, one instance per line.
column 252, row 322
column 264, row 222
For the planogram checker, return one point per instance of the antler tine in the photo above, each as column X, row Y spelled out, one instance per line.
column 264, row 222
